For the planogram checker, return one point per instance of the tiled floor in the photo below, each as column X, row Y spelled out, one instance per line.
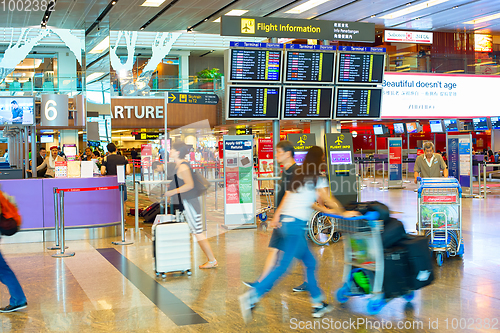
column 107, row 288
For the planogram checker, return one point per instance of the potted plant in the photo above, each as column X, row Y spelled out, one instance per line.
column 207, row 77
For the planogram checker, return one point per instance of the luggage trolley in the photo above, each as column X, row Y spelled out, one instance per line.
column 439, row 215
column 364, row 260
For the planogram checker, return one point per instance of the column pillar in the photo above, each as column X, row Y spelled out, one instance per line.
column 184, row 71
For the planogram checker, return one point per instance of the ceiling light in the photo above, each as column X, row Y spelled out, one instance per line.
column 305, row 6
column 153, row 3
column 94, row 76
column 113, row 2
column 142, row 28
column 217, row 20
column 484, row 19
column 236, row 12
column 414, row 8
column 29, row 63
column 101, row 47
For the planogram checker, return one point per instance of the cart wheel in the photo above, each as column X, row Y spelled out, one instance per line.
column 439, row 259
column 336, row 237
column 320, row 228
column 342, row 294
column 188, row 272
column 375, row 305
column 409, row 297
column 263, row 217
column 157, row 274
column 164, row 275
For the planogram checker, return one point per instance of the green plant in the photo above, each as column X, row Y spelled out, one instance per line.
column 209, row 74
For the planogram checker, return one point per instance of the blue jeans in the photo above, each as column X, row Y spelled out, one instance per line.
column 8, row 278
column 294, row 246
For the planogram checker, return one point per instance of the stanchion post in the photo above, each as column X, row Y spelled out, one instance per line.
column 122, row 224
column 136, row 199
column 479, row 178
column 56, row 221
column 216, row 185
column 62, row 254
column 374, row 173
column 484, row 179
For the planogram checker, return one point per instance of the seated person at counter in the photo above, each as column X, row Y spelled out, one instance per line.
column 88, row 154
column 430, row 164
column 50, row 163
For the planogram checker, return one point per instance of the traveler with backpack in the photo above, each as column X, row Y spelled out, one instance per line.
column 9, row 222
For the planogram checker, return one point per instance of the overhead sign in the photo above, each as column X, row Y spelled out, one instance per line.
column 243, row 131
column 417, row 37
column 434, row 96
column 297, row 28
column 189, row 98
column 147, row 136
column 301, row 144
column 54, row 111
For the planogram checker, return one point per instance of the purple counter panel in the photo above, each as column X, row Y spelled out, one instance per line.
column 28, row 194
column 83, row 208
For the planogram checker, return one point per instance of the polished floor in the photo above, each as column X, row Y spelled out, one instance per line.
column 108, row 288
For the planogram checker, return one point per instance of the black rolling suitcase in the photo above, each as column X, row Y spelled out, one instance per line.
column 396, row 272
column 419, row 260
column 394, row 231
column 149, row 214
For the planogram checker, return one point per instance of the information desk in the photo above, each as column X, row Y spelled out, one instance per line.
column 88, row 214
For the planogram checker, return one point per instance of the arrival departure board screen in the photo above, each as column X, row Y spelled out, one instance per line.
column 358, row 68
column 307, row 103
column 303, row 67
column 358, row 103
column 252, row 102
column 255, row 65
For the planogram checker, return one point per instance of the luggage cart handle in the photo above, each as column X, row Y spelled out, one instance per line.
column 370, row 216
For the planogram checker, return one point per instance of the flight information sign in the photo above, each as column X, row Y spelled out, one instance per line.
column 309, row 66
column 253, row 102
column 359, row 68
column 250, row 65
column 307, row 103
column 358, row 103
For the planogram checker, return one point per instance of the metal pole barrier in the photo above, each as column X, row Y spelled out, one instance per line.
column 484, row 180
column 136, row 199
column 62, row 254
column 359, row 187
column 216, row 185
column 479, row 178
column 407, row 172
column 56, row 220
column 374, row 174
column 383, row 188
column 123, row 242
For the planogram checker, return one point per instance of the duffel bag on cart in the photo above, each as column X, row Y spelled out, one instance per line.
column 420, row 261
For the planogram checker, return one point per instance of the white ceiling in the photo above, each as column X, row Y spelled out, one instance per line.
column 129, row 15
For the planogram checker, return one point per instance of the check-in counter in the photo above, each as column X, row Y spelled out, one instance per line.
column 87, row 214
column 8, row 173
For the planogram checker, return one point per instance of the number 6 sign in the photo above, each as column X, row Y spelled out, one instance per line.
column 54, row 110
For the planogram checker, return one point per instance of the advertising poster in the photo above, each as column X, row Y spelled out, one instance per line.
column 453, row 157
column 464, row 149
column 395, row 161
column 61, row 169
column 266, row 161
column 238, row 174
column 146, row 155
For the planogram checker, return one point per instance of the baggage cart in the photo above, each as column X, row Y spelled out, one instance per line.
column 439, row 216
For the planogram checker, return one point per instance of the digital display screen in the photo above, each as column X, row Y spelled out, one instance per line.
column 378, row 129
column 17, row 110
column 495, row 122
column 360, row 68
column 480, row 124
column 46, row 138
column 303, row 67
column 412, row 127
column 261, row 102
column 436, row 126
column 399, row 128
column 255, row 65
column 307, row 103
column 299, row 157
column 341, row 157
column 451, row 125
column 358, row 103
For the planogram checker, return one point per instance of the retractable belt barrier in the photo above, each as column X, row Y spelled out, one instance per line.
column 59, row 217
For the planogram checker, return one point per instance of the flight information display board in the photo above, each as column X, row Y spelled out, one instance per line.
column 307, row 103
column 247, row 65
column 304, row 66
column 358, row 103
column 253, row 102
column 360, row 68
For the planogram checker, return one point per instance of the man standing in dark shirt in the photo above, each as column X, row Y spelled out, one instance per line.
column 39, row 160
column 133, row 154
column 284, row 156
column 110, row 162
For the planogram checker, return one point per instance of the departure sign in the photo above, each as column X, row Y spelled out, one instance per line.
column 358, row 103
column 249, row 65
column 355, row 68
column 253, row 102
column 304, row 66
column 307, row 103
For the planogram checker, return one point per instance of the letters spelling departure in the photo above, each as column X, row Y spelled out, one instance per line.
column 145, row 112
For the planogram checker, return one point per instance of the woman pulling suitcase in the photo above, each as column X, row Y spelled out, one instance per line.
column 307, row 187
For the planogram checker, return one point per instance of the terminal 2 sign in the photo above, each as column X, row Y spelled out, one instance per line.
column 297, row 28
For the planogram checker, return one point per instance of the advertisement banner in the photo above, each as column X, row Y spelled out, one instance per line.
column 395, row 162
column 266, row 162
column 435, row 96
column 146, row 155
column 464, row 149
column 453, row 157
column 238, row 174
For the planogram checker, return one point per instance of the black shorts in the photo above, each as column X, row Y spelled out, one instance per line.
column 276, row 241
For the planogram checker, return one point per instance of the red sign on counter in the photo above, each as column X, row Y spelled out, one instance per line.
column 440, row 198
